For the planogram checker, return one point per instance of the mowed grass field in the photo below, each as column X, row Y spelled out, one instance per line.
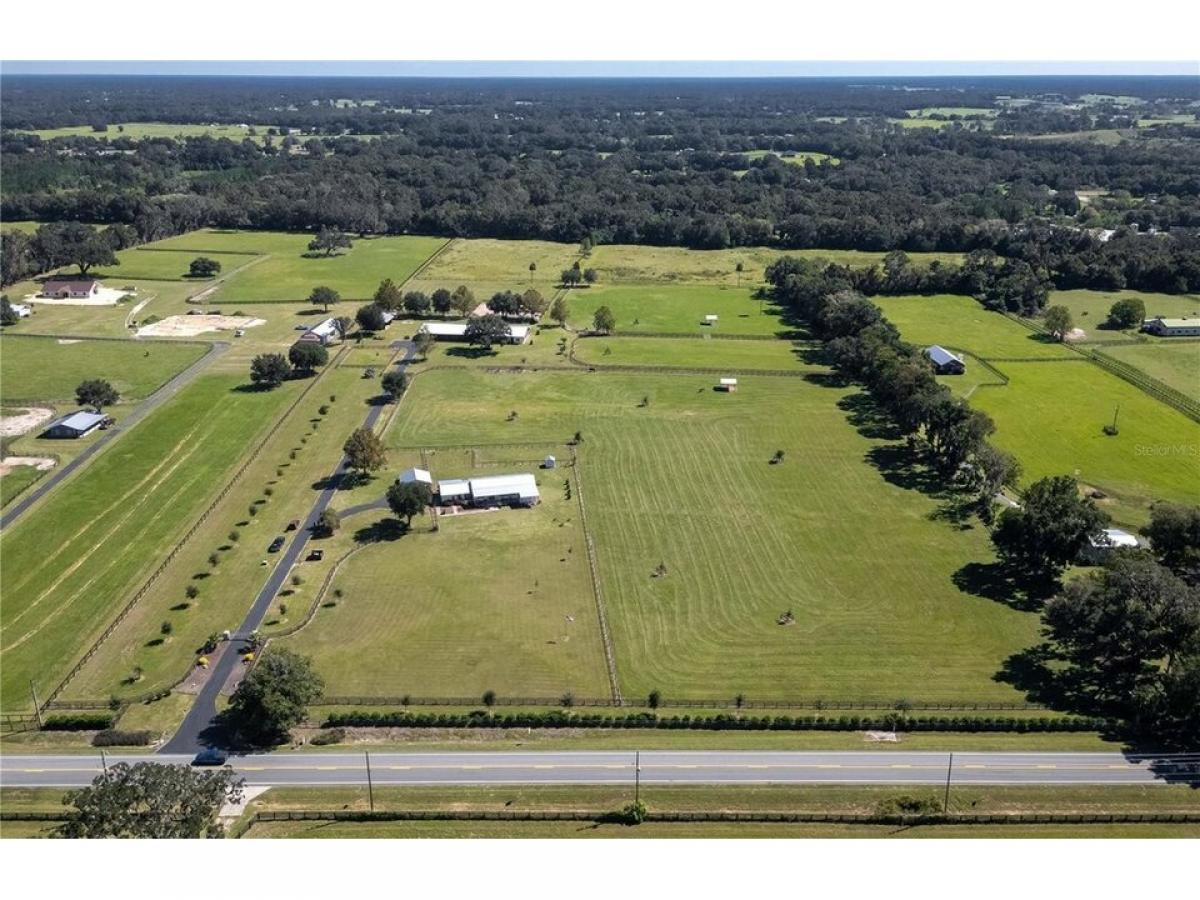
column 45, row 368
column 496, row 600
column 677, row 309
column 146, row 264
column 961, row 322
column 1090, row 309
column 502, row 265
column 71, row 563
column 628, row 263
column 832, row 534
column 687, row 353
column 1051, row 415
column 794, row 157
column 1176, row 365
column 289, row 274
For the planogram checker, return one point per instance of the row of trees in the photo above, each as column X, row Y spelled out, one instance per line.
column 269, row 370
column 864, row 346
column 23, row 255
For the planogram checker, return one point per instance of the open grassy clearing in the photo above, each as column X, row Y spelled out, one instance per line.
column 138, row 131
column 685, row 482
column 639, row 264
column 233, row 241
column 686, row 353
column 794, row 157
column 1051, row 415
column 1176, row 365
column 514, row 613
column 678, row 309
column 288, row 274
column 961, row 111
column 94, row 538
column 26, row 225
column 145, row 264
column 45, row 368
column 227, row 590
column 962, row 323
column 1090, row 309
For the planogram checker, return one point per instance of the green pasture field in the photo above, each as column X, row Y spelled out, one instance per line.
column 1173, row 119
column 794, row 157
column 29, row 227
column 913, row 122
column 832, row 534
column 209, row 241
column 638, row 264
column 500, row 265
column 962, row 323
column 496, row 600
column 1051, row 416
column 686, row 353
column 71, row 563
column 1090, row 309
column 16, row 482
column 143, row 264
column 677, row 309
column 962, row 111
column 142, row 130
column 1176, row 365
column 227, row 589
column 356, row 273
column 43, row 368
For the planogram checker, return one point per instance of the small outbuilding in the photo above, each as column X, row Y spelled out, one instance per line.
column 549, row 463
column 21, row 310
column 945, row 362
column 415, row 476
column 1099, row 548
column 728, row 385
column 324, row 334
column 75, row 425
column 711, row 320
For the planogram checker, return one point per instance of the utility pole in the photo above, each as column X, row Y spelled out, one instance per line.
column 946, row 800
column 637, row 776
column 37, row 707
column 104, row 764
column 370, row 787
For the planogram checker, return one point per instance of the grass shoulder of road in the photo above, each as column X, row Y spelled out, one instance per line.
column 72, row 563
column 698, row 830
column 48, row 368
column 280, row 485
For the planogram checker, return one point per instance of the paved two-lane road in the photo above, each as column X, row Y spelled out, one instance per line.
column 657, row 767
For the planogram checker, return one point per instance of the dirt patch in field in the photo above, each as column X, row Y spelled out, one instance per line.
column 11, row 426
column 41, row 463
column 190, row 326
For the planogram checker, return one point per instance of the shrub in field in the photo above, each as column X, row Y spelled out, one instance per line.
column 78, row 722
column 192, row 591
column 329, row 736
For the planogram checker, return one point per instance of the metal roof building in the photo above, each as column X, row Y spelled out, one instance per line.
column 75, row 425
column 421, row 476
column 490, row 490
column 454, row 489
column 945, row 361
column 457, row 331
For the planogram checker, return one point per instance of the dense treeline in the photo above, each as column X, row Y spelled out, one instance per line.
column 630, row 162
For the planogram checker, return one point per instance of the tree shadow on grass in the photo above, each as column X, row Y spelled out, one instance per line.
column 898, row 466
column 382, row 531
column 865, row 415
column 471, row 352
column 1005, row 584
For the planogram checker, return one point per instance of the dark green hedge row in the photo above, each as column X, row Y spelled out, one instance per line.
column 79, row 722
column 111, row 737
column 721, row 722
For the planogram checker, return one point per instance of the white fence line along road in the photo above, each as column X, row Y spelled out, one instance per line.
column 657, row 767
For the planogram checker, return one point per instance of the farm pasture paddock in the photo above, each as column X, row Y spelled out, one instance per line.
column 832, row 534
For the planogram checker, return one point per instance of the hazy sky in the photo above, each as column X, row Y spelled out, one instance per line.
column 594, row 69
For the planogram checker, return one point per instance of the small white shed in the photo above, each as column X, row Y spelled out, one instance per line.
column 549, row 463
column 728, row 385
column 711, row 320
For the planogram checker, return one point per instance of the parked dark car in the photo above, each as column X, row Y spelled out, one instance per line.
column 210, row 757
column 316, row 555
column 276, row 545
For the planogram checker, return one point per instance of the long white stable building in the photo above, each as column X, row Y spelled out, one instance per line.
column 457, row 331
column 490, row 490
